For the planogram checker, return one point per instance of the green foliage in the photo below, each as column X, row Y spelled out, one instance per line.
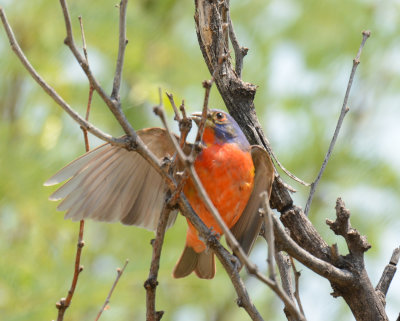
column 300, row 57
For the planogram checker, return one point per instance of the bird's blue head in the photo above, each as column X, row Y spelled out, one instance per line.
column 221, row 128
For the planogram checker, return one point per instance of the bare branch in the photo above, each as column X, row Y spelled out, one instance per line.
column 185, row 123
column 121, row 50
column 269, row 235
column 297, row 282
column 85, row 133
column 389, row 272
column 284, row 267
column 151, row 283
column 64, row 303
column 172, row 102
column 356, row 243
column 51, row 92
column 343, row 113
column 319, row 266
column 240, row 52
column 286, row 171
column 83, row 38
column 107, row 301
column 283, row 263
column 112, row 104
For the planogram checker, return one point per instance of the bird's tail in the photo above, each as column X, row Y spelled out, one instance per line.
column 203, row 264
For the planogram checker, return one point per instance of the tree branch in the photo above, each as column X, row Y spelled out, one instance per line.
column 356, row 243
column 388, row 273
column 240, row 52
column 151, row 283
column 51, row 92
column 297, row 281
column 107, row 301
column 112, row 104
column 63, row 304
column 121, row 50
column 319, row 266
column 343, row 112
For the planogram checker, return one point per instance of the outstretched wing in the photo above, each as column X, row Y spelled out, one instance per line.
column 110, row 184
column 248, row 226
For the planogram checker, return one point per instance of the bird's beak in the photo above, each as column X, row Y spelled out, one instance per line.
column 196, row 117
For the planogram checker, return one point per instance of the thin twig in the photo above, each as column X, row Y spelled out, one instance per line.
column 207, row 84
column 151, row 283
column 89, row 104
column 112, row 104
column 83, row 38
column 297, row 275
column 185, row 123
column 240, row 52
column 107, row 301
column 64, row 303
column 62, row 306
column 269, row 235
column 51, row 92
column 343, row 112
column 172, row 102
column 121, row 50
column 290, row 308
column 284, row 267
column 85, row 133
column 286, row 171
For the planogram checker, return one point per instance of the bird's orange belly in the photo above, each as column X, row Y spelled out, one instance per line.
column 227, row 174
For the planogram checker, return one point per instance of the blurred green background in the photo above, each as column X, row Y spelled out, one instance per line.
column 300, row 57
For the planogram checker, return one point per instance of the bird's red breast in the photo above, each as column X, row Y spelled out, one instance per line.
column 226, row 171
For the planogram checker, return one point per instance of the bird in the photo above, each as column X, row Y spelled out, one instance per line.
column 110, row 183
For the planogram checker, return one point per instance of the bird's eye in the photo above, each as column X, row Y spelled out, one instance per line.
column 220, row 117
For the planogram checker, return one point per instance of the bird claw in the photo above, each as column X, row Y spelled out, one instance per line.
column 214, row 234
column 237, row 265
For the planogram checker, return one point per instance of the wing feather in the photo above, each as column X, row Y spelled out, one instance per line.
column 110, row 183
column 248, row 226
column 72, row 168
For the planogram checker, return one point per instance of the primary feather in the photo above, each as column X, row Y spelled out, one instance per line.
column 110, row 184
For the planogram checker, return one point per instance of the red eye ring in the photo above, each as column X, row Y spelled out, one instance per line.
column 220, row 116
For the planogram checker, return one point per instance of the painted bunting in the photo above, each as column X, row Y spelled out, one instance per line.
column 110, row 183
